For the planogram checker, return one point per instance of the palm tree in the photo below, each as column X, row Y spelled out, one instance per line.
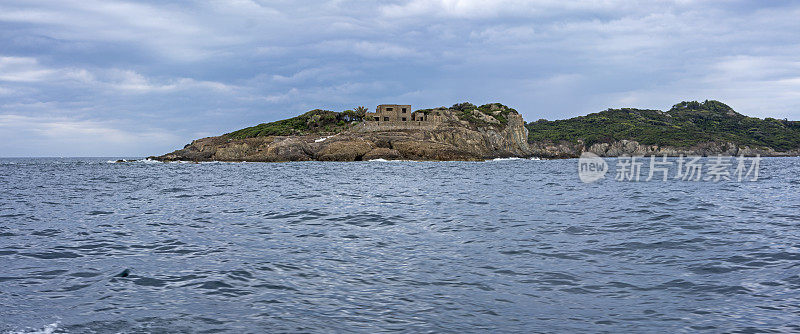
column 361, row 112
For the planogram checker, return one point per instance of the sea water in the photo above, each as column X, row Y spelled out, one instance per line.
column 88, row 246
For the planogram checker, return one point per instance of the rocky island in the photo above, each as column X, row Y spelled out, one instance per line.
column 471, row 133
column 393, row 132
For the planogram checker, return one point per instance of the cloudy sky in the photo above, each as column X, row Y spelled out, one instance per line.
column 124, row 78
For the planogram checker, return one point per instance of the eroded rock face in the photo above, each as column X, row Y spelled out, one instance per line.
column 344, row 150
column 382, row 153
column 633, row 148
column 429, row 150
column 453, row 139
column 289, row 149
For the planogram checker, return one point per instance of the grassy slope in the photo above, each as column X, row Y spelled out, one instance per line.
column 315, row 121
column 686, row 124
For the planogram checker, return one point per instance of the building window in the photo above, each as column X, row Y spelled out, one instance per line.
column 377, row 119
column 404, row 110
column 404, row 119
column 386, row 119
column 389, row 109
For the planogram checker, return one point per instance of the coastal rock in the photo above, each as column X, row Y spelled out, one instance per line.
column 344, row 150
column 382, row 153
column 451, row 138
column 633, row 148
column 429, row 150
column 289, row 149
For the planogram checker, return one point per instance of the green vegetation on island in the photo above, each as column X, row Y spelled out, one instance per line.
column 497, row 110
column 477, row 115
column 314, row 121
column 686, row 124
column 465, row 131
column 327, row 121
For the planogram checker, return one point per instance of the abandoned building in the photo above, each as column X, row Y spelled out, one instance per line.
column 390, row 113
column 399, row 113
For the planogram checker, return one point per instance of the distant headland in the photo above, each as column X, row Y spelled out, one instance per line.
column 468, row 132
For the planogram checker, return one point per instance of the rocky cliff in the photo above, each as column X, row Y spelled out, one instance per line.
column 567, row 149
column 467, row 133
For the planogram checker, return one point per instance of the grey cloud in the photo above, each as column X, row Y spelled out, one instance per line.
column 212, row 67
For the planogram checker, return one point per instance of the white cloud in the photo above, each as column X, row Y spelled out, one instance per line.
column 29, row 70
column 316, row 74
column 22, row 69
column 367, row 49
column 58, row 136
column 502, row 34
column 458, row 8
column 212, row 66
column 748, row 67
column 169, row 32
column 6, row 91
column 131, row 81
column 497, row 8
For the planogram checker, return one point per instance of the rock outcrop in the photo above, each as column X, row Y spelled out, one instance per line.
column 455, row 138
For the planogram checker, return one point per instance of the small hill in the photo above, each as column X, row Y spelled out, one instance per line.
column 320, row 121
column 685, row 125
column 461, row 132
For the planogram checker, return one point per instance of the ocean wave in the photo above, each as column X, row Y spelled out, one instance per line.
column 48, row 329
column 506, row 159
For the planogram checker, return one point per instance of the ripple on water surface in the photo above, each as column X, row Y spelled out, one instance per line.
column 507, row 246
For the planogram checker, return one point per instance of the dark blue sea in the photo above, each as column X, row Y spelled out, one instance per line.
column 512, row 246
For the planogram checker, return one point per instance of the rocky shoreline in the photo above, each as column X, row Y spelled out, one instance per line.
column 443, row 144
column 452, row 140
column 633, row 148
column 464, row 132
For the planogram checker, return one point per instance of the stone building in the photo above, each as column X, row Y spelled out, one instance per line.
column 394, row 117
column 390, row 113
column 400, row 113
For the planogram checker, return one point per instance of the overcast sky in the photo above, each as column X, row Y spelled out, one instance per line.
column 123, row 78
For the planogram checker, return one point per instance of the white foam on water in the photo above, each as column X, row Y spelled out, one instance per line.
column 505, row 159
column 48, row 329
